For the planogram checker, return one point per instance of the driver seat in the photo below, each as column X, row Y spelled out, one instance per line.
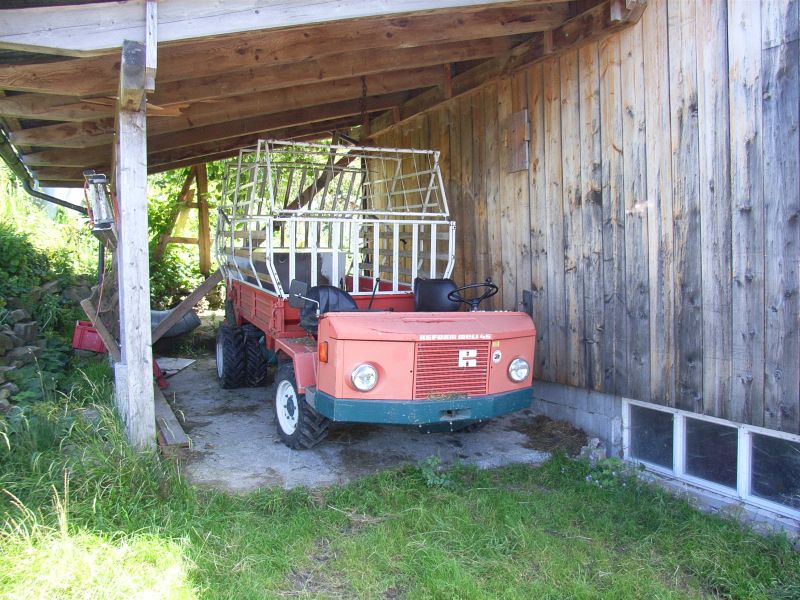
column 331, row 299
column 430, row 295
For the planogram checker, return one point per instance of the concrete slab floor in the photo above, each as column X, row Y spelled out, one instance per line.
column 235, row 446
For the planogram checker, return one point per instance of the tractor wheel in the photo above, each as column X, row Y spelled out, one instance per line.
column 256, row 363
column 299, row 426
column 230, row 356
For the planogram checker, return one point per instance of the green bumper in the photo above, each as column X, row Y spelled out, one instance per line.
column 420, row 412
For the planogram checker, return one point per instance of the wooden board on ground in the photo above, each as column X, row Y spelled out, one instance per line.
column 170, row 433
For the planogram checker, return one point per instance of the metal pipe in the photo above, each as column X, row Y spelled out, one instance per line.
column 14, row 162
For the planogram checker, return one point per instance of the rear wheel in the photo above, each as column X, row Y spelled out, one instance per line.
column 230, row 356
column 299, row 426
column 255, row 363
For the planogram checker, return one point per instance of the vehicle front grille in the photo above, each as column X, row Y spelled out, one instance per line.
column 437, row 371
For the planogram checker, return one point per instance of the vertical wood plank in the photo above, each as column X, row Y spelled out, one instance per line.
column 508, row 239
column 573, row 224
column 780, row 20
column 554, row 211
column 482, row 263
column 659, row 207
column 747, row 212
column 493, row 176
column 537, row 185
column 591, row 214
column 521, row 212
column 456, row 189
column 715, row 215
column 613, row 346
column 687, row 234
column 637, row 290
column 781, row 155
column 468, row 195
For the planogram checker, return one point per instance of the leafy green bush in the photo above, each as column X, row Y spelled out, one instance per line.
column 22, row 267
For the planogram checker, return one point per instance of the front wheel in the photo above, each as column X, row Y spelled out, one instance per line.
column 299, row 426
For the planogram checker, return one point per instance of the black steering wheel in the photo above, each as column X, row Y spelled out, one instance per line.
column 491, row 290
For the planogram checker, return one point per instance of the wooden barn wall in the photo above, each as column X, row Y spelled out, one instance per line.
column 658, row 221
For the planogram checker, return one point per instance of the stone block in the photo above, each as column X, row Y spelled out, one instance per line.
column 15, row 316
column 77, row 293
column 6, row 343
column 51, row 287
column 11, row 388
column 5, row 406
column 27, row 331
column 23, row 355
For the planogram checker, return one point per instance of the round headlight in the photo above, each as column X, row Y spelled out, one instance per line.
column 364, row 377
column 518, row 370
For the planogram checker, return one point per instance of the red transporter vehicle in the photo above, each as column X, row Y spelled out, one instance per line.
column 337, row 261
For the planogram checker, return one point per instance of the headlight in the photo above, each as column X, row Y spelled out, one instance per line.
column 518, row 370
column 364, row 377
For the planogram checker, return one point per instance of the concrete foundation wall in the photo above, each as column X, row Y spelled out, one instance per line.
column 597, row 414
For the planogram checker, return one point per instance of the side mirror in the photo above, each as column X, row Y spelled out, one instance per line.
column 297, row 292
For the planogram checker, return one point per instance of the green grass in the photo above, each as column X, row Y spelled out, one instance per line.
column 89, row 518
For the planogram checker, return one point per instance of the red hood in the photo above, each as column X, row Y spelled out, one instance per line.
column 426, row 326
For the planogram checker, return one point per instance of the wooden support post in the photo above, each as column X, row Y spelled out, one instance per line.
column 134, row 373
column 203, row 226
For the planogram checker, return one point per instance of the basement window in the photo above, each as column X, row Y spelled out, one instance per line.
column 651, row 436
column 752, row 464
column 711, row 451
column 776, row 470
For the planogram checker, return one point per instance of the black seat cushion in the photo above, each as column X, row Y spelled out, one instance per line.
column 331, row 299
column 430, row 295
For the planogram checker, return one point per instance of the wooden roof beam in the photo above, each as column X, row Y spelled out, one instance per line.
column 603, row 19
column 222, row 56
column 99, row 132
column 88, row 29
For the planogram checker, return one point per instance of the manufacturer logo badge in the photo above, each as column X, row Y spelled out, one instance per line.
column 467, row 358
column 497, row 356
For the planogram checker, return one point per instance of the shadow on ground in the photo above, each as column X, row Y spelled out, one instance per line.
column 235, row 445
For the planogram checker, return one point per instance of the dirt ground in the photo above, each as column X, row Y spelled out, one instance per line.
column 235, row 445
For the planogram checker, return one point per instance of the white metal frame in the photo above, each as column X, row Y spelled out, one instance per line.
column 743, row 491
column 362, row 205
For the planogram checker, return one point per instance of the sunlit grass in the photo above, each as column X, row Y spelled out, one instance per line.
column 95, row 519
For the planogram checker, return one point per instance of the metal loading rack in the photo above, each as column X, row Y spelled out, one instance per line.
column 334, row 214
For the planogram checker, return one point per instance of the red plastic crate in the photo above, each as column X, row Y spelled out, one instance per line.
column 87, row 338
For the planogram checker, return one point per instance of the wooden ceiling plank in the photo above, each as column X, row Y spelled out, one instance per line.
column 52, row 107
column 67, row 157
column 88, row 29
column 210, row 57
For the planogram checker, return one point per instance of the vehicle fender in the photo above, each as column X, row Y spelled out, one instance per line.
column 303, row 353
